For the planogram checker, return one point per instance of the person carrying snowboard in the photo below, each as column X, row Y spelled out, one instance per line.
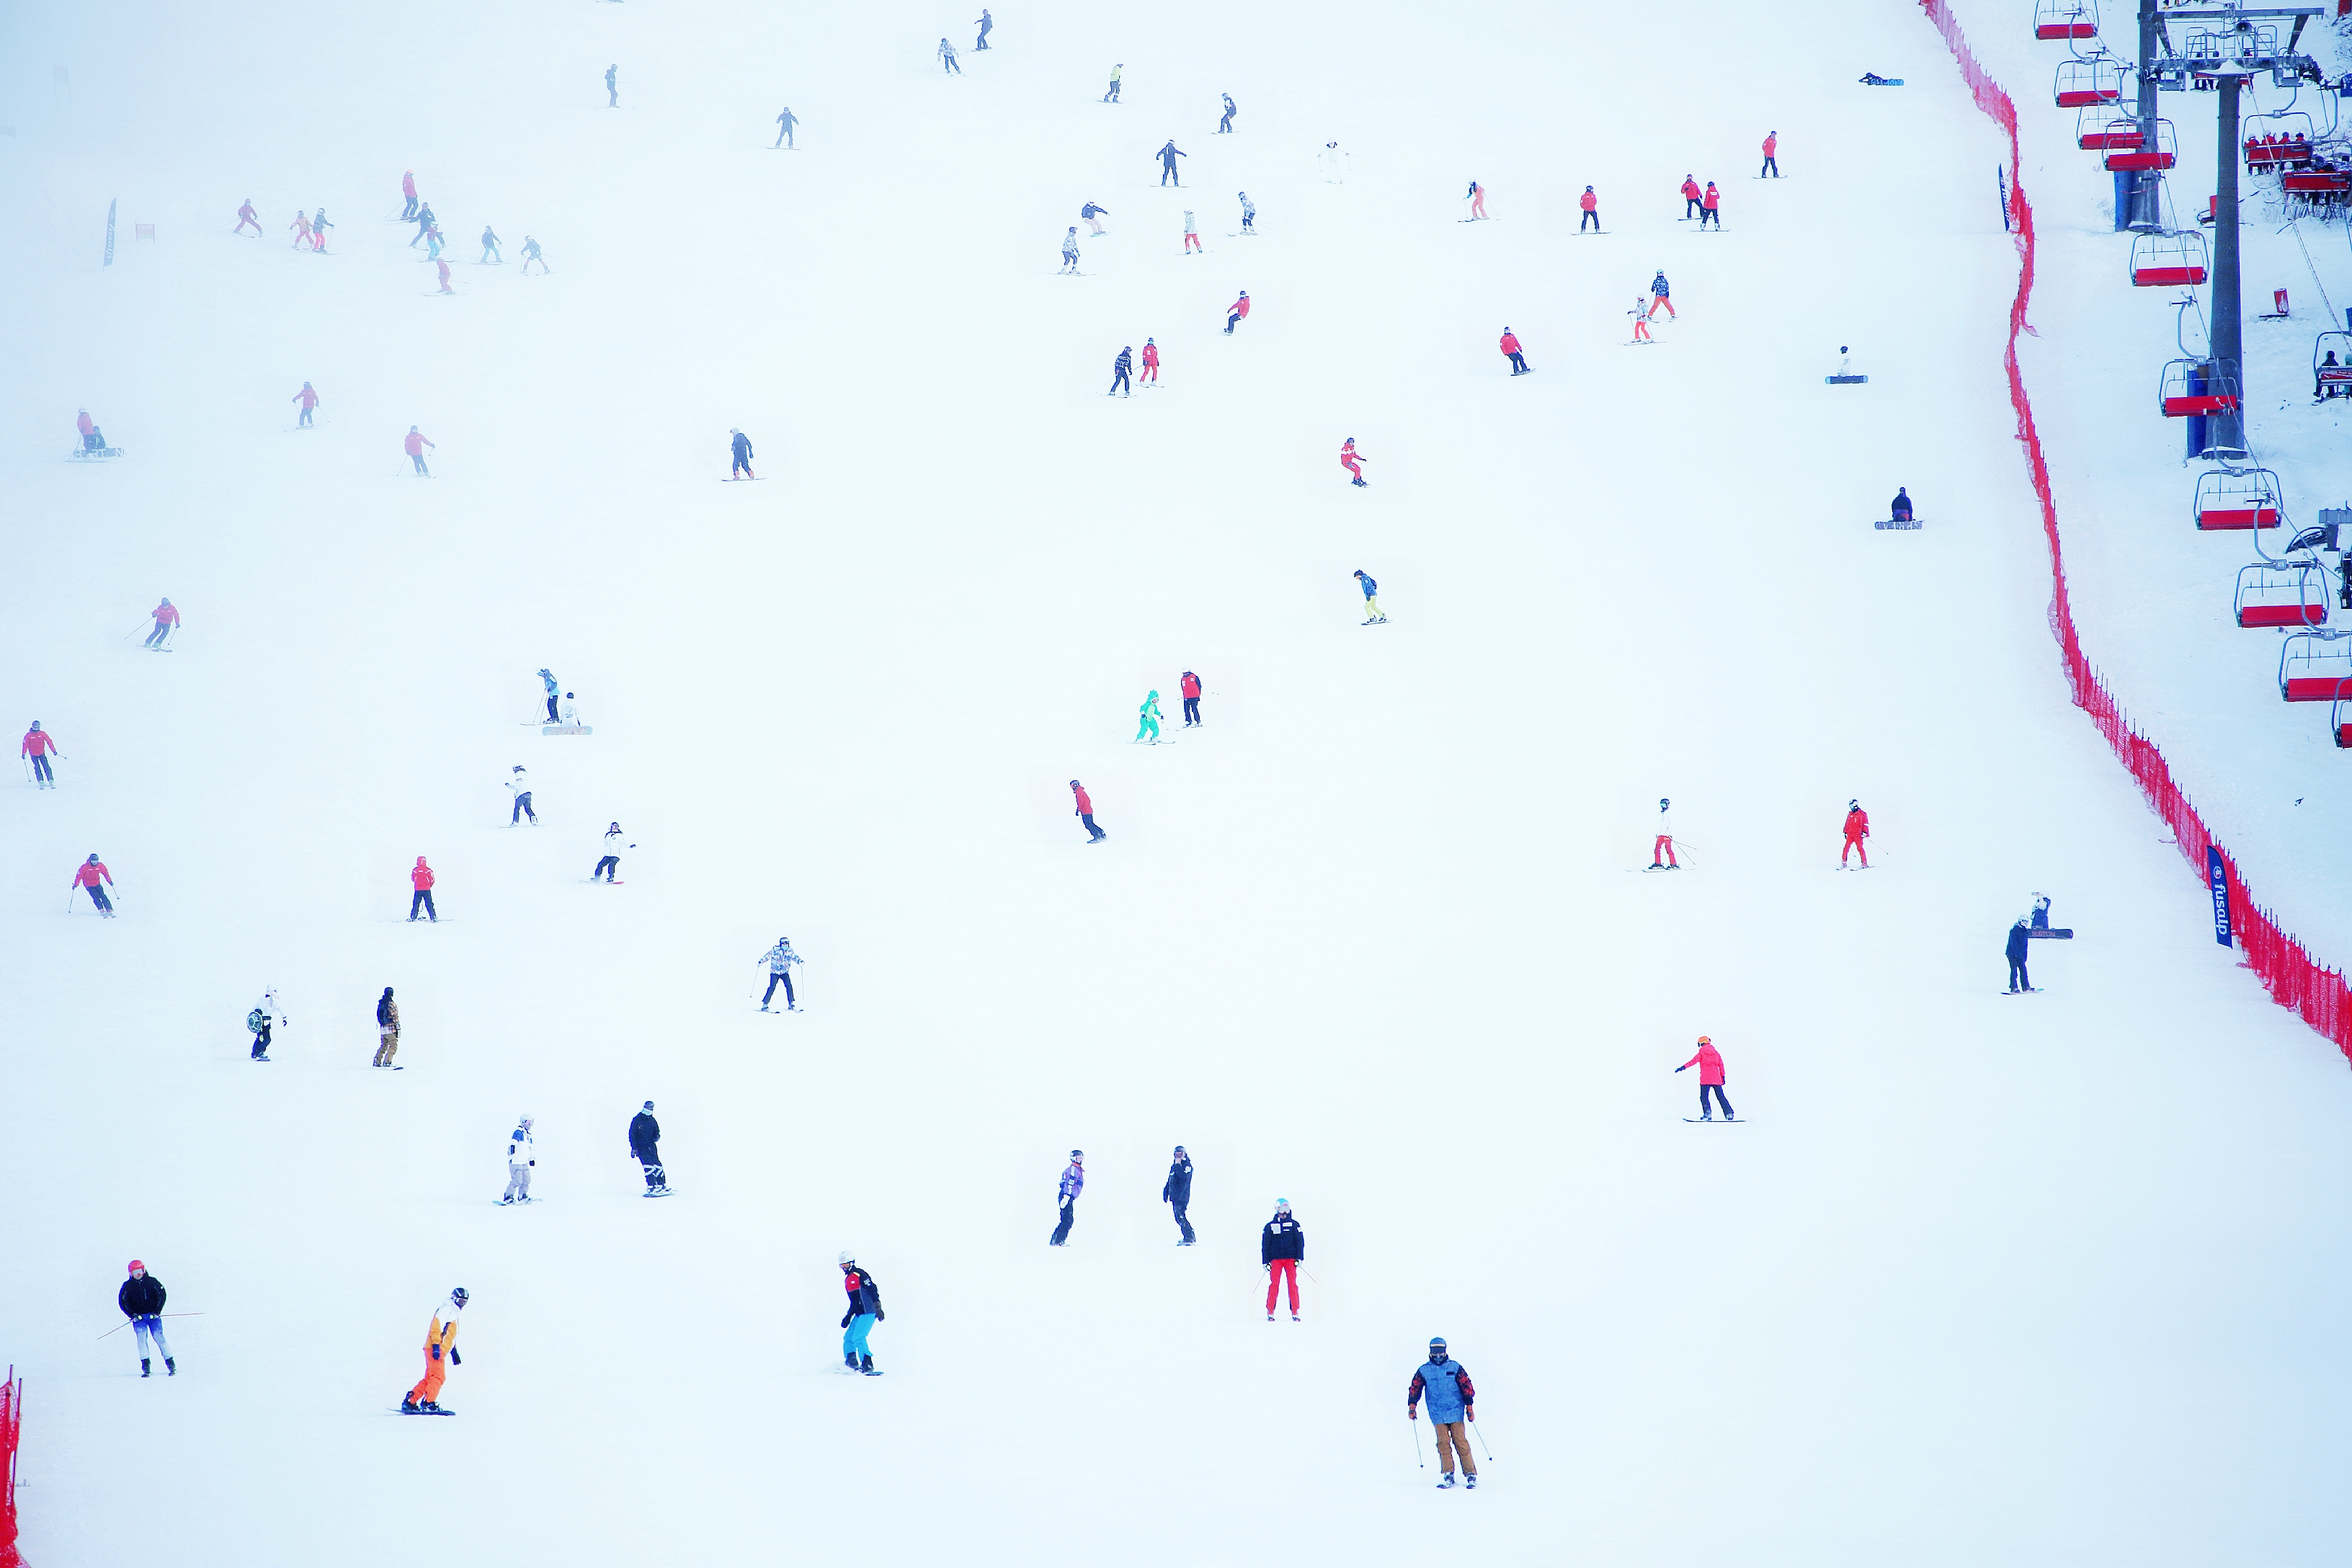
column 2020, row 937
column 739, row 445
column 865, row 1310
column 1073, row 1183
column 1190, row 687
column 1371, row 599
column 1177, row 1193
column 1121, row 369
column 609, row 867
column 166, row 617
column 440, row 1356
column 1150, row 715
column 420, row 891
column 780, row 959
column 387, row 1029
column 1709, row 1062
column 1352, row 461
column 40, row 746
column 1857, row 828
column 644, row 1146
column 1453, row 1400
column 1167, row 154
column 519, row 1160
column 1281, row 1248
column 141, row 1301
column 1591, row 206
column 89, row 873
column 1510, row 347
column 1087, row 812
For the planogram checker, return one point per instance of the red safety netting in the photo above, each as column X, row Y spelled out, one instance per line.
column 12, row 1423
column 2295, row 980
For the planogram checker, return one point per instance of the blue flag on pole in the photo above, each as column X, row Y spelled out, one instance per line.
column 2219, row 882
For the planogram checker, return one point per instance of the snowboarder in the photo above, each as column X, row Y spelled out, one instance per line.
column 1191, row 236
column 1087, row 812
column 1661, row 293
column 1857, row 828
column 309, row 400
column 784, row 123
column 1074, row 1182
column 1453, row 1400
column 1120, row 370
column 413, row 444
column 739, row 445
column 1070, row 251
column 490, row 247
column 1709, row 207
column 865, row 1310
column 420, row 883
column 2018, row 936
column 1249, row 211
column 443, row 268
column 948, row 57
column 530, row 254
column 2041, row 916
column 141, row 1301
column 1371, row 602
column 645, row 1145
column 1225, row 125
column 1663, row 844
column 519, row 788
column 609, row 867
column 1112, row 96
column 1691, row 193
column 408, row 189
column 257, row 1021
column 1150, row 363
column 1190, row 687
column 1094, row 216
column 1177, row 1193
column 440, row 1356
column 548, row 680
column 1167, row 154
column 1351, row 460
column 1771, row 155
column 986, row 24
column 93, row 438
column 1709, row 1062
column 319, row 228
column 41, row 745
column 300, row 228
column 387, row 1029
column 1590, row 205
column 1901, row 507
column 1476, row 196
column 1237, row 312
column 89, row 873
column 780, row 959
column 1150, row 715
column 246, row 214
column 1281, row 1248
column 1510, row 347
column 612, row 87
column 519, row 1160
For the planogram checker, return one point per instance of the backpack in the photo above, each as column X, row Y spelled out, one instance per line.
column 256, row 1020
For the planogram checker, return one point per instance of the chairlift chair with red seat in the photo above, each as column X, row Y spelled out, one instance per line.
column 2096, row 129
column 2160, row 154
column 2316, row 665
column 2094, row 80
column 2165, row 259
column 2281, row 593
column 2230, row 498
column 2195, row 388
column 2065, row 19
column 2339, row 723
column 2331, row 366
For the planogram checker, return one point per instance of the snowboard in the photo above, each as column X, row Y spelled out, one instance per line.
column 656, row 1192
column 1726, row 1120
column 88, row 454
column 396, row 1410
column 731, row 480
column 1886, row 82
column 1899, row 525
column 1844, row 380
column 2056, row 933
column 565, row 730
column 2029, row 991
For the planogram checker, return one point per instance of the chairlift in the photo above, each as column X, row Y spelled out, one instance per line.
column 2279, row 139
column 2194, row 388
column 2339, row 723
column 2161, row 155
column 2065, row 19
column 2331, row 366
column 2093, row 80
column 2096, row 129
column 2316, row 665
column 2281, row 593
column 2164, row 260
column 2230, row 498
column 2320, row 188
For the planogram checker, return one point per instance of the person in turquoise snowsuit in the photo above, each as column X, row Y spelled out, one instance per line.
column 1149, row 713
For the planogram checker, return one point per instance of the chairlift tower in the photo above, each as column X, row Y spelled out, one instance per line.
column 2224, row 45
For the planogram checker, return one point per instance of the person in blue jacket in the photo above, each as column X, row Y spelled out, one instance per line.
column 553, row 691
column 741, row 445
column 987, row 24
column 1168, row 156
column 1074, row 1182
column 1094, row 216
column 1453, row 1400
column 1902, row 508
column 1177, row 1192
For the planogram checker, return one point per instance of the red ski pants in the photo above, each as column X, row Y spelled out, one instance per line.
column 1661, row 302
column 1280, row 1269
column 1664, row 845
column 1854, row 847
column 1351, row 465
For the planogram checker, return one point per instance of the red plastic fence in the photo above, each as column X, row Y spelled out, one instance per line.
column 2293, row 979
column 12, row 1425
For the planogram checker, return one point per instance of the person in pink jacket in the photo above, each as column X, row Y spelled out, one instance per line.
column 309, row 400
column 444, row 266
column 246, row 214
column 415, row 447
column 408, row 189
column 1709, row 1062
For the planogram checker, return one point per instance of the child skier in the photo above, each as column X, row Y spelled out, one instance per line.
column 1281, row 1248
column 865, row 1310
column 1709, row 1062
column 440, row 1356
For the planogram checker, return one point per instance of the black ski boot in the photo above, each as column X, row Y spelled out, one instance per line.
column 142, row 1366
column 866, row 1365
column 407, row 1406
column 850, row 1360
column 429, row 1408
column 171, row 1367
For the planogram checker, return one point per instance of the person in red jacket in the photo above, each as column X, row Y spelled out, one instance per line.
column 1087, row 812
column 1237, row 312
column 1771, row 157
column 1708, row 206
column 414, row 445
column 1592, row 205
column 1709, row 1062
column 41, row 745
column 408, row 189
column 1150, row 363
column 89, row 873
column 309, row 400
column 1857, row 828
column 1351, row 461
column 166, row 617
column 1691, row 193
column 421, row 881
column 1192, row 690
column 1510, row 346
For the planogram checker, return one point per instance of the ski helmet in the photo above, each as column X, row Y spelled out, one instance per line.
column 847, row 1258
column 1705, row 1041
column 459, row 1296
column 649, row 1105
column 137, row 1267
column 1437, row 1341
column 1078, row 1153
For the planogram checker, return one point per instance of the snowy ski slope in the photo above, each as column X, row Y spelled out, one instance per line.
column 2051, row 1279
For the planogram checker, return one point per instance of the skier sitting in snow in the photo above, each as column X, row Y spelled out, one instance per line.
column 91, row 440
column 1902, row 505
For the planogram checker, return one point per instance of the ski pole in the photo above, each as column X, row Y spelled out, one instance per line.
column 1482, row 1442
column 1417, row 1459
column 126, row 1322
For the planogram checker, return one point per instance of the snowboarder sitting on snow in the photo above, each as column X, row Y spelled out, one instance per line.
column 2018, row 981
column 1453, row 1400
column 91, row 439
column 1902, row 509
column 141, row 1301
column 865, row 1311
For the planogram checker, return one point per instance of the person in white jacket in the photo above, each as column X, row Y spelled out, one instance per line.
column 609, row 867
column 1663, row 844
column 519, row 1160
column 520, row 786
column 780, row 959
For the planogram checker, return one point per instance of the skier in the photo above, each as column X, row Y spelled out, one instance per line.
column 948, row 57
column 1236, row 313
column 780, row 959
column 420, row 882
column 1094, row 216
column 408, row 189
column 300, row 228
column 1191, row 691
column 1663, row 844
column 89, row 873
column 1070, row 251
column 387, row 1030
column 246, row 214
column 141, row 1301
column 530, row 254
column 1709, row 207
column 258, row 1022
column 739, row 445
column 1334, row 161
column 414, row 445
column 1087, row 812
column 1225, row 125
column 319, row 228
column 609, row 867
column 444, row 266
column 1510, row 347
column 2018, row 935
column 1476, row 196
column 1151, row 363
column 1249, row 212
column 612, row 87
column 644, row 1145
column 41, row 745
column 784, row 123
column 1661, row 293
column 519, row 788
column 1168, row 155
column 1371, row 603
column 1901, row 508
column 865, row 1310
column 490, row 249
column 1177, row 1193
column 91, row 440
column 1281, row 1248
column 424, row 225
column 1351, row 461
column 1590, row 203
column 1857, row 828
column 1640, row 314
column 1451, row 1401
column 1191, row 236
column 553, row 688
column 1771, row 155
column 1112, row 96
column 1691, row 193
column 440, row 1356
column 1150, row 715
column 1709, row 1062
column 309, row 400
column 1074, row 1182
column 519, row 1161
column 433, row 243
column 986, row 24
column 1120, row 370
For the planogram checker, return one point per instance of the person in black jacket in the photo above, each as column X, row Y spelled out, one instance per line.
column 1281, row 1247
column 2017, row 940
column 1120, row 369
column 141, row 1301
column 865, row 1311
column 1902, row 505
column 644, row 1140
column 1178, row 1191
